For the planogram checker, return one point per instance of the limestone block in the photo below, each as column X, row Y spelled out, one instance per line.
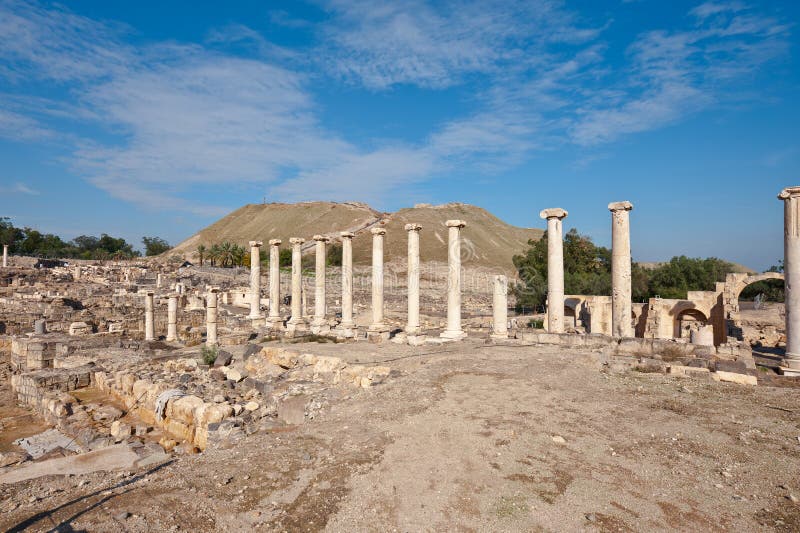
column 183, row 409
column 326, row 364
column 291, row 410
column 733, row 377
column 280, row 357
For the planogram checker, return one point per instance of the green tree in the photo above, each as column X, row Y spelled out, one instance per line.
column 155, row 246
column 201, row 250
column 285, row 257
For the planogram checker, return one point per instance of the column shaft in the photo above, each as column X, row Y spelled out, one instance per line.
column 211, row 316
column 621, row 313
column 297, row 281
column 377, row 279
column 274, row 281
column 500, row 308
column 791, row 273
column 412, row 325
column 172, row 318
column 453, row 330
column 347, row 280
column 255, row 280
column 149, row 329
column 555, row 269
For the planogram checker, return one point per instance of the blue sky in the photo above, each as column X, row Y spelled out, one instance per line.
column 156, row 118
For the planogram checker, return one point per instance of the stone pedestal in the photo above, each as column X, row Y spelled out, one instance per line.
column 500, row 308
column 149, row 331
column 320, row 324
column 211, row 316
column 791, row 273
column 255, row 284
column 274, row 319
column 347, row 325
column 172, row 318
column 296, row 322
column 621, row 312
column 454, row 331
column 377, row 330
column 555, row 269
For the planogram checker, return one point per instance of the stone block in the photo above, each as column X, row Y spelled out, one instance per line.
column 733, row 377
column 291, row 410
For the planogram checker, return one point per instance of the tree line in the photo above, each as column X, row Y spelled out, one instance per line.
column 587, row 270
column 228, row 255
column 32, row 242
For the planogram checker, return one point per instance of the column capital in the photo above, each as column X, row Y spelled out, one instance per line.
column 322, row 238
column 275, row 242
column 255, row 244
column 455, row 223
column 553, row 212
column 620, row 206
column 297, row 240
column 789, row 192
column 149, row 293
column 413, row 227
column 378, row 231
column 346, row 234
column 214, row 290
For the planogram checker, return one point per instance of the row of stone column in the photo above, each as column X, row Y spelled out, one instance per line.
column 377, row 326
column 621, row 307
column 172, row 317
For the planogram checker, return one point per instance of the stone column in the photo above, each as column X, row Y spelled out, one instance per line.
column 555, row 269
column 172, row 318
column 296, row 319
column 275, row 283
column 5, row 255
column 320, row 247
column 347, row 323
column 377, row 325
column 412, row 326
column 149, row 331
column 791, row 274
column 158, row 280
column 255, row 282
column 500, row 308
column 621, row 320
column 454, row 330
column 211, row 316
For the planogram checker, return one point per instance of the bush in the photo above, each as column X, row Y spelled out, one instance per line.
column 536, row 323
column 209, row 354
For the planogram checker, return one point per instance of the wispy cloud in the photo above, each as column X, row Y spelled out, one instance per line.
column 18, row 188
column 178, row 116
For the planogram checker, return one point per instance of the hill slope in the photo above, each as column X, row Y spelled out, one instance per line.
column 487, row 240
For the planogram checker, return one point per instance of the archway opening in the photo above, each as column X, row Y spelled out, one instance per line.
column 687, row 321
column 762, row 315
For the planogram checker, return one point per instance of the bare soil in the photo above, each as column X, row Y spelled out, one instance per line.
column 469, row 437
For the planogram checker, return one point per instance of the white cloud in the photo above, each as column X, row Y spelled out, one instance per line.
column 185, row 116
column 19, row 188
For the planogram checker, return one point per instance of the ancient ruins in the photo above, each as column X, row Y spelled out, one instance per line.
column 143, row 360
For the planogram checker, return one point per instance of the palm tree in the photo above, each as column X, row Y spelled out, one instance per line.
column 201, row 250
column 226, row 254
column 214, row 254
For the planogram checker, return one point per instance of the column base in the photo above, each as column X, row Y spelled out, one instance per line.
column 789, row 372
column 346, row 332
column 320, row 328
column 455, row 335
column 257, row 322
column 378, row 333
column 498, row 335
column 413, row 330
column 274, row 322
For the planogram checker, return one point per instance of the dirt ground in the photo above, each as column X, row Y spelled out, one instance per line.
column 469, row 437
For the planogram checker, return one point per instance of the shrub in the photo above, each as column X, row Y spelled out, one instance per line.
column 209, row 354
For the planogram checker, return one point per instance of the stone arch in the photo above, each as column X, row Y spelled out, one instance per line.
column 734, row 285
column 688, row 319
column 572, row 312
